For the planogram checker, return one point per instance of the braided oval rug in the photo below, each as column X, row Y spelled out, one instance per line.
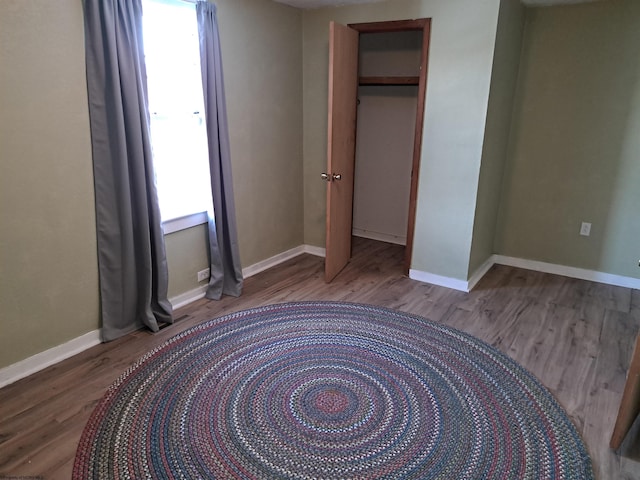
column 322, row 390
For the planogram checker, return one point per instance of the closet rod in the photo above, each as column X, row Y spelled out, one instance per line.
column 389, row 80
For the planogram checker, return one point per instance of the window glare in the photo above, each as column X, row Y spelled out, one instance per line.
column 176, row 107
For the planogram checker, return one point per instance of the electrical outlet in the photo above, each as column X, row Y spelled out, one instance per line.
column 585, row 229
column 203, row 275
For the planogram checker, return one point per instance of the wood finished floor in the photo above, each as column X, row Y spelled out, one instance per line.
column 575, row 336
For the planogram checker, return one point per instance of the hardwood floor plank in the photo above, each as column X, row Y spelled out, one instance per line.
column 617, row 338
column 575, row 336
column 581, row 292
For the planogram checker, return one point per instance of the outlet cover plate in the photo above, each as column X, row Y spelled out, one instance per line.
column 585, row 229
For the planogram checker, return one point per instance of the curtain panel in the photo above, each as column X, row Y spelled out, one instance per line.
column 226, row 270
column 131, row 253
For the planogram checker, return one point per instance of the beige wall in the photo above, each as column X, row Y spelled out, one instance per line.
column 48, row 265
column 262, row 55
column 262, row 59
column 575, row 142
column 462, row 43
column 572, row 154
column 496, row 136
column 48, row 275
column 187, row 254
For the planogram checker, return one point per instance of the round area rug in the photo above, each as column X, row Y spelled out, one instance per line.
column 321, row 390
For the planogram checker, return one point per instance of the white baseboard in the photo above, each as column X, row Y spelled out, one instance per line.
column 454, row 283
column 426, row 277
column 42, row 360
column 49, row 357
column 480, row 272
column 278, row 259
column 565, row 271
column 196, row 294
column 381, row 237
column 188, row 297
column 54, row 355
column 317, row 251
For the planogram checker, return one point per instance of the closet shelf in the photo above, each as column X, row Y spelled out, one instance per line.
column 389, row 80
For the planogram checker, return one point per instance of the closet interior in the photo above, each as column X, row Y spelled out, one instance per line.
column 389, row 69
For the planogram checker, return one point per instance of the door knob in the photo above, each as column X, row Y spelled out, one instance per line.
column 330, row 178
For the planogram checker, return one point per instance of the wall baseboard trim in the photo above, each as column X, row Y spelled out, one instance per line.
column 313, row 250
column 281, row 258
column 439, row 280
column 544, row 267
column 565, row 271
column 191, row 296
column 49, row 357
column 188, row 297
column 381, row 237
column 480, row 272
column 42, row 360
column 454, row 283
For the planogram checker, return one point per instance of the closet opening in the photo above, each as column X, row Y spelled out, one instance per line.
column 380, row 158
column 391, row 58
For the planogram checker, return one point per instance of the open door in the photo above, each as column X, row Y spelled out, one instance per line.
column 343, row 89
column 341, row 133
column 630, row 403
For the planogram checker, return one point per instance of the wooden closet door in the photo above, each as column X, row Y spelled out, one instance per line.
column 341, row 133
column 630, row 403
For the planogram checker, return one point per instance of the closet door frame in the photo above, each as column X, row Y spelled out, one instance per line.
column 424, row 25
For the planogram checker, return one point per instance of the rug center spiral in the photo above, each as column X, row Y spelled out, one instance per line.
column 331, row 401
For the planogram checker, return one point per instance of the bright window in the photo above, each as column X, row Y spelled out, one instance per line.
column 176, row 107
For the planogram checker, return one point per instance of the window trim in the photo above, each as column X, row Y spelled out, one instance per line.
column 182, row 223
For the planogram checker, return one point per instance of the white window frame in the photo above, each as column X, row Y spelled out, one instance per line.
column 172, row 225
column 182, row 223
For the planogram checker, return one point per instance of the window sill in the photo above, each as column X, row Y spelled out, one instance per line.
column 182, row 223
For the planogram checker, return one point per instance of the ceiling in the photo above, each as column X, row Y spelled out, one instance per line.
column 333, row 3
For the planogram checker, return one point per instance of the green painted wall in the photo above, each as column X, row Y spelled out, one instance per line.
column 48, row 274
column 498, row 127
column 462, row 44
column 572, row 153
column 262, row 60
column 262, row 55
column 575, row 142
column 187, row 254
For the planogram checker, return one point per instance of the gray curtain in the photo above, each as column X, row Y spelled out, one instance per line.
column 226, row 271
column 131, row 253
